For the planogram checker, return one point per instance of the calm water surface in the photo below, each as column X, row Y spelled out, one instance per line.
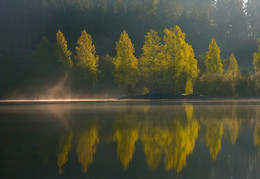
column 130, row 140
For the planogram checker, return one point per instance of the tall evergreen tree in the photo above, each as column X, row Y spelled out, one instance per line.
column 126, row 70
column 256, row 64
column 213, row 62
column 182, row 56
column 233, row 73
column 233, row 69
column 150, row 62
column 63, row 54
column 86, row 57
column 256, row 57
column 45, row 62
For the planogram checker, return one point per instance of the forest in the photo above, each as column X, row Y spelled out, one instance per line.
column 112, row 48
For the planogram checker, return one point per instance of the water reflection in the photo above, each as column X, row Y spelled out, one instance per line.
column 87, row 142
column 172, row 137
column 65, row 143
column 213, row 136
column 233, row 124
column 126, row 135
column 163, row 137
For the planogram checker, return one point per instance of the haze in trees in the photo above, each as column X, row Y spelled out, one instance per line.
column 170, row 66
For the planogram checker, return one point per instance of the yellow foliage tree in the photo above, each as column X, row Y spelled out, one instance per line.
column 213, row 62
column 86, row 57
column 184, row 64
column 233, row 72
column 152, row 65
column 63, row 54
column 256, row 56
column 256, row 64
column 188, row 88
column 126, row 70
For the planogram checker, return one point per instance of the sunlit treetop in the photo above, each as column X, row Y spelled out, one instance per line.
column 64, row 55
column 86, row 57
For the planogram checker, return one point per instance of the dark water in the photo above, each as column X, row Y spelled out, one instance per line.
column 130, row 140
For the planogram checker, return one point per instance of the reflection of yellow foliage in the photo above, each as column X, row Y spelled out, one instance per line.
column 65, row 146
column 86, row 147
column 126, row 134
column 176, row 143
column 146, row 108
column 153, row 139
column 213, row 136
column 189, row 111
column 126, row 145
column 182, row 146
column 257, row 135
column 233, row 126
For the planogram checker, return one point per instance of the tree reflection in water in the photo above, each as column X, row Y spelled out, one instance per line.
column 214, row 132
column 233, row 125
column 65, row 143
column 170, row 139
column 87, row 141
column 174, row 137
column 126, row 134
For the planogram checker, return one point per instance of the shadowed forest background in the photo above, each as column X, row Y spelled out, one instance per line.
column 32, row 62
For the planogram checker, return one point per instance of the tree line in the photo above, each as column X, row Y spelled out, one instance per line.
column 234, row 23
column 166, row 65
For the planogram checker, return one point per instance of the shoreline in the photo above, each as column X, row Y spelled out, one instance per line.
column 212, row 100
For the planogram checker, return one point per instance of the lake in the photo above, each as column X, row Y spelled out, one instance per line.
column 146, row 139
